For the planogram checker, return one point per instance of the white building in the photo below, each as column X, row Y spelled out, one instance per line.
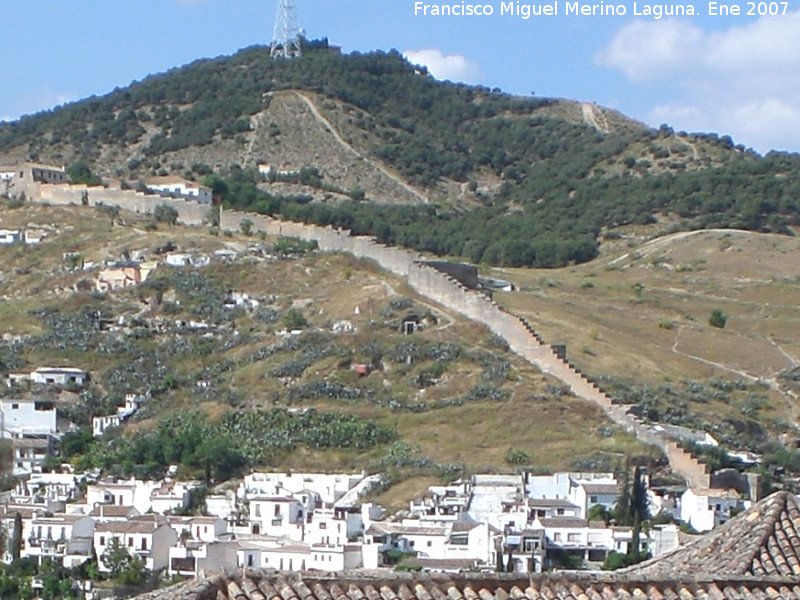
column 32, row 425
column 173, row 186
column 7, row 173
column 61, row 376
column 583, row 490
column 199, row 528
column 191, row 558
column 386, row 543
column 279, row 516
column 10, row 236
column 329, row 488
column 132, row 404
column 705, row 509
column 131, row 492
column 46, row 488
column 170, row 496
column 64, row 539
column 146, row 537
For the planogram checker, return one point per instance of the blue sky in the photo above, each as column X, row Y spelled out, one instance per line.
column 735, row 75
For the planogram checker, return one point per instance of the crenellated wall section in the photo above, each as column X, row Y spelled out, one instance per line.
column 521, row 337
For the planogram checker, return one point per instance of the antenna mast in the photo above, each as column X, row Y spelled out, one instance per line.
column 285, row 40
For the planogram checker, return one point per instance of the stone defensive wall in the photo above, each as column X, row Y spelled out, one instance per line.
column 189, row 212
column 521, row 337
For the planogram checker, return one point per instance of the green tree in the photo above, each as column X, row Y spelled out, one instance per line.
column 295, row 319
column 16, row 538
column 81, row 172
column 246, row 226
column 219, row 187
column 718, row 319
column 517, row 457
column 598, row 512
column 164, row 213
column 110, row 210
column 125, row 568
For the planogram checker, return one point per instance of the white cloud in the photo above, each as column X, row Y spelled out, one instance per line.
column 743, row 81
column 647, row 51
column 455, row 67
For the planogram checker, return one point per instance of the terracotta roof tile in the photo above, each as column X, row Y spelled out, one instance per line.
column 566, row 586
column 762, row 541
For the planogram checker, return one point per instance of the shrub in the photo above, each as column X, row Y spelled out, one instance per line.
column 718, row 319
column 294, row 319
column 164, row 213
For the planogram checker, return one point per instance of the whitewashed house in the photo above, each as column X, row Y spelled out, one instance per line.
column 44, row 488
column 266, row 554
column 199, row 528
column 32, row 425
column 10, row 236
column 191, row 558
column 60, row 376
column 103, row 513
column 170, row 496
column 131, row 492
column 132, row 404
column 64, row 539
column 279, row 516
column 329, row 487
column 705, row 509
column 222, row 505
column 177, row 187
column 147, row 538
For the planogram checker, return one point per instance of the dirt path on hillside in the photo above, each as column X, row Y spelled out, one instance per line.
column 594, row 118
column 343, row 143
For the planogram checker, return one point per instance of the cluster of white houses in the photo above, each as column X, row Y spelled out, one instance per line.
column 290, row 521
column 296, row 521
column 312, row 521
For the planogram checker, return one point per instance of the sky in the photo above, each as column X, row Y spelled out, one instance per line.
column 731, row 74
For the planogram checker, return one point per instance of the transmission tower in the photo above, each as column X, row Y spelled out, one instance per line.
column 285, row 39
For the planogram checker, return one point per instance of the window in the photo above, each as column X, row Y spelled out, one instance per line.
column 130, row 542
column 559, row 511
column 102, row 540
column 277, row 510
column 144, row 543
column 557, row 537
column 258, row 509
column 323, row 525
column 411, row 543
column 430, row 543
column 593, row 499
column 531, row 544
column 14, row 406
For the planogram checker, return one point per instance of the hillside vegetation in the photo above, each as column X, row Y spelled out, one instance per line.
column 230, row 388
column 506, row 180
column 638, row 321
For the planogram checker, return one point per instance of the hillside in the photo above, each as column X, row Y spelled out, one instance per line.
column 230, row 389
column 444, row 168
column 636, row 319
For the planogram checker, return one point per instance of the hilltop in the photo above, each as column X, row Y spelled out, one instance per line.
column 373, row 143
